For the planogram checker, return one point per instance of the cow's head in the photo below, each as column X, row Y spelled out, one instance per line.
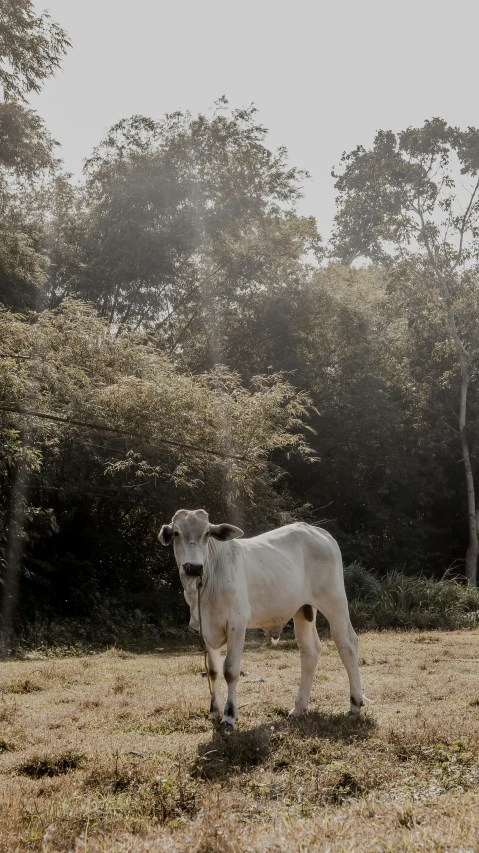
column 190, row 531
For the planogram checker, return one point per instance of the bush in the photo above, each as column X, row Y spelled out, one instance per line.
column 409, row 601
column 396, row 600
column 361, row 585
column 106, row 626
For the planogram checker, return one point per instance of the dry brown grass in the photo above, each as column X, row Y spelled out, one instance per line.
column 114, row 752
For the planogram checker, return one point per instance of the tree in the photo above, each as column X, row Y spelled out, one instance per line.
column 384, row 452
column 106, row 420
column 31, row 48
column 184, row 219
column 412, row 202
column 26, row 157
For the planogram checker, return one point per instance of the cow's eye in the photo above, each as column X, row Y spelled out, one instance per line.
column 176, row 533
column 207, row 534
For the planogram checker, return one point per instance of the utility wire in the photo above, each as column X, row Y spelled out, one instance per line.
column 19, row 410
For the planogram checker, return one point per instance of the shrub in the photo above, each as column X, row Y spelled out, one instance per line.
column 409, row 601
column 47, row 765
column 396, row 600
column 361, row 585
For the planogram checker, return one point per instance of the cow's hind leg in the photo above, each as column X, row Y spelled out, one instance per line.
column 214, row 663
column 337, row 614
column 231, row 671
column 309, row 645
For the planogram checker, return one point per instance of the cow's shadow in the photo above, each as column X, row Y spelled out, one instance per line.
column 228, row 753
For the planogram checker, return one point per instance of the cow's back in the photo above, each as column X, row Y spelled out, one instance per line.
column 287, row 568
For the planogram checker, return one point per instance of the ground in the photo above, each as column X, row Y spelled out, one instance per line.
column 114, row 752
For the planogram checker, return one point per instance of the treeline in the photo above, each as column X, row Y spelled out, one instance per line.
column 174, row 332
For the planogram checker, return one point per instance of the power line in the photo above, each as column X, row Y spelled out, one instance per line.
column 19, row 410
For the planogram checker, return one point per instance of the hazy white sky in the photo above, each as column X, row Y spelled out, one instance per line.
column 324, row 75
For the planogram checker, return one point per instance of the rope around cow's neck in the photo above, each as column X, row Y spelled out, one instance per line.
column 202, row 639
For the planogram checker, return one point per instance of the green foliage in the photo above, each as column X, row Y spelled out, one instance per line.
column 384, row 446
column 409, row 601
column 42, row 765
column 184, row 219
column 22, row 262
column 108, row 625
column 394, row 601
column 93, row 499
column 361, row 585
column 405, row 195
column 412, row 203
column 31, row 48
column 69, row 362
column 25, row 146
column 172, row 315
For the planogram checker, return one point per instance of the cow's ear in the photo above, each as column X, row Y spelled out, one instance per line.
column 165, row 535
column 223, row 532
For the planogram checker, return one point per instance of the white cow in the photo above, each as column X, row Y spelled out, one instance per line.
column 262, row 583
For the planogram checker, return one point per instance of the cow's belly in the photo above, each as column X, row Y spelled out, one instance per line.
column 268, row 618
column 276, row 590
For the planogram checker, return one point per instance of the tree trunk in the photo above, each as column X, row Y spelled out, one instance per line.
column 14, row 555
column 473, row 545
column 463, row 359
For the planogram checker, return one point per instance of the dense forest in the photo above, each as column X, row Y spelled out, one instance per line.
column 174, row 333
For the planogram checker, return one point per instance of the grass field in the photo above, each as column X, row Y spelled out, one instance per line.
column 114, row 752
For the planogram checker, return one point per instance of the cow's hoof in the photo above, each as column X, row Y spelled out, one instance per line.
column 355, row 706
column 227, row 724
column 215, row 717
column 297, row 712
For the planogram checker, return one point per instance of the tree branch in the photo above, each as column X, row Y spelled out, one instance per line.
column 182, row 333
column 102, row 428
column 463, row 226
column 461, row 352
column 15, row 355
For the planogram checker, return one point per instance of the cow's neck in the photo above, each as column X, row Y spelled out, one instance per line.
column 215, row 569
column 214, row 575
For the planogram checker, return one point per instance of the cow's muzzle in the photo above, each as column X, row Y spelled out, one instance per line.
column 193, row 570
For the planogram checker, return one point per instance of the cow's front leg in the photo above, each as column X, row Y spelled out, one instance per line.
column 214, row 662
column 231, row 671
